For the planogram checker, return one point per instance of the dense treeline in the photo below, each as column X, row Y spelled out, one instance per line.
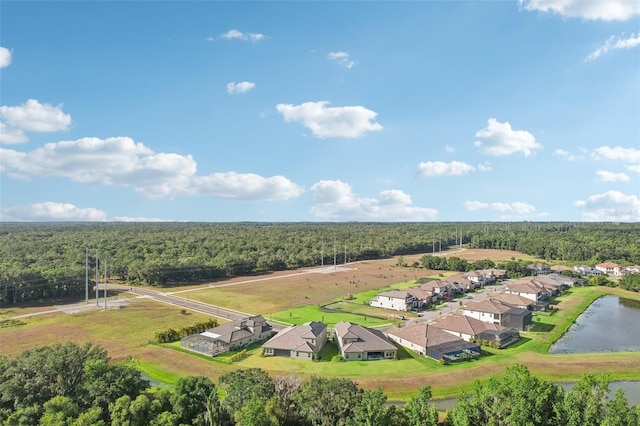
column 73, row 385
column 47, row 260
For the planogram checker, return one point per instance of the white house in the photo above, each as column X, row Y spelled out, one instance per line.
column 396, row 300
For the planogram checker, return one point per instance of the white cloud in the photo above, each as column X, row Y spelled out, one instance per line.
column 5, row 57
column 50, row 210
column 564, row 154
column 440, row 168
column 610, row 206
column 609, row 10
column 516, row 207
column 449, row 149
column 32, row 116
column 485, row 167
column 606, row 176
column 334, row 200
column 139, row 219
column 629, row 155
column 500, row 139
column 325, row 122
column 122, row 162
column 246, row 186
column 341, row 58
column 9, row 135
column 239, row 88
column 633, row 168
column 238, row 35
column 614, row 43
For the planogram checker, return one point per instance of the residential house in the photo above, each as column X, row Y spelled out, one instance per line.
column 424, row 298
column 472, row 329
column 561, row 281
column 635, row 269
column 298, row 341
column 356, row 342
column 497, row 312
column 439, row 287
column 227, row 337
column 460, row 283
column 539, row 268
column 517, row 301
column 587, row 271
column 608, row 268
column 425, row 339
column 529, row 289
column 398, row 300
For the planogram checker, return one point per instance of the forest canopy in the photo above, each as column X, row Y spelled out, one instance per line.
column 47, row 260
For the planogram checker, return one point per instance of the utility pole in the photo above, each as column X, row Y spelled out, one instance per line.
column 322, row 254
column 345, row 256
column 105, row 285
column 97, row 280
column 334, row 253
column 86, row 275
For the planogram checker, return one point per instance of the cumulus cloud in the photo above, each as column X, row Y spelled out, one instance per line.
column 32, row 116
column 50, row 210
column 331, row 122
column 629, row 155
column 610, row 10
column 334, row 200
column 120, row 161
column 5, row 57
column 501, row 139
column 614, row 43
column 606, row 176
column 633, row 168
column 516, row 210
column 440, row 168
column 247, row 186
column 238, row 35
column 239, row 88
column 564, row 154
column 341, row 58
column 610, row 206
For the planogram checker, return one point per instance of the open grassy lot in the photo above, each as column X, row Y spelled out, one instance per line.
column 126, row 332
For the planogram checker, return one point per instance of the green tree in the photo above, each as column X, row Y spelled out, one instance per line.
column 518, row 398
column 254, row 413
column 328, row 401
column 619, row 413
column 195, row 401
column 419, row 411
column 370, row 410
column 586, row 403
column 242, row 385
column 59, row 411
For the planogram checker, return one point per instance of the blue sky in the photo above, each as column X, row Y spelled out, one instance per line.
column 320, row 111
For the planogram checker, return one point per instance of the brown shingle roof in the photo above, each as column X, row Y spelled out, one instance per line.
column 365, row 339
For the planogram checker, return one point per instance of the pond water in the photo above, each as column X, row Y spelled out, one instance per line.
column 609, row 324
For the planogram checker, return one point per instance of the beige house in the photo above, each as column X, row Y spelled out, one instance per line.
column 298, row 341
column 425, row 339
column 227, row 337
column 469, row 328
column 356, row 342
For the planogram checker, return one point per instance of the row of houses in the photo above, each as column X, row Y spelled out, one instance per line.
column 496, row 319
column 436, row 290
column 606, row 268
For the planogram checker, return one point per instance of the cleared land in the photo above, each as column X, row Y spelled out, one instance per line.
column 126, row 332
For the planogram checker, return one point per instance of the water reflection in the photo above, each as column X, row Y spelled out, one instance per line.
column 608, row 325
